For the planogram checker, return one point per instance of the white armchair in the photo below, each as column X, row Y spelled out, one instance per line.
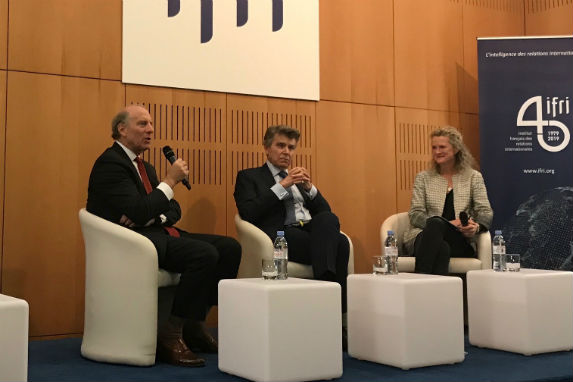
column 121, row 295
column 400, row 222
column 256, row 245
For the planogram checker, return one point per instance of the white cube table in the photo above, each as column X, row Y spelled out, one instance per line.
column 280, row 330
column 405, row 320
column 527, row 312
column 13, row 339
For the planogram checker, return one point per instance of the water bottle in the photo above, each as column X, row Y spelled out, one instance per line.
column 280, row 255
column 391, row 253
column 498, row 252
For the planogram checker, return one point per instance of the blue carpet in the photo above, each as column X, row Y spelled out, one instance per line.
column 60, row 360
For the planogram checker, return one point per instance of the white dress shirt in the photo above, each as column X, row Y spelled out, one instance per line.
column 301, row 212
column 164, row 187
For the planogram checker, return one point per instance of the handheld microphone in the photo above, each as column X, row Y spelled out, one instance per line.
column 170, row 155
column 464, row 218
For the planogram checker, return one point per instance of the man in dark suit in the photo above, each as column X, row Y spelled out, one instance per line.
column 265, row 197
column 125, row 190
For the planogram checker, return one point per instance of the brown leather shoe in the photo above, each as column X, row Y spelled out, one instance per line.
column 198, row 338
column 172, row 349
column 175, row 352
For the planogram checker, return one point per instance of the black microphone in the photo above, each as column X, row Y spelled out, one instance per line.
column 170, row 155
column 464, row 218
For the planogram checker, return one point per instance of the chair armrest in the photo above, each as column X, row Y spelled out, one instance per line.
column 483, row 242
column 350, row 254
column 398, row 223
column 124, row 257
column 255, row 245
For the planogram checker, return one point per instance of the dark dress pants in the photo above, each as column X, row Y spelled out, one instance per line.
column 202, row 260
column 320, row 244
column 437, row 242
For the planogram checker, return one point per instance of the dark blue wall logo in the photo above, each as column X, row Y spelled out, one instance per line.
column 174, row 6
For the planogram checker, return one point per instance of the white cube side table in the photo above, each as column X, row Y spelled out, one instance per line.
column 280, row 330
column 406, row 320
column 14, row 315
column 527, row 312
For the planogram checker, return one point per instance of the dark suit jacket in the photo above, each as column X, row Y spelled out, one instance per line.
column 259, row 205
column 115, row 189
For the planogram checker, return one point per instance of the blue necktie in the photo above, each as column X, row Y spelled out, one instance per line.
column 289, row 203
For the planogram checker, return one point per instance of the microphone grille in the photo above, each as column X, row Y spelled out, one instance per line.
column 167, row 151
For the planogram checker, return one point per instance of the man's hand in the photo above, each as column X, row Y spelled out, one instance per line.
column 297, row 175
column 125, row 221
column 176, row 173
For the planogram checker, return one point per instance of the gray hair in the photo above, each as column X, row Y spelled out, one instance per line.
column 464, row 159
column 272, row 131
column 119, row 118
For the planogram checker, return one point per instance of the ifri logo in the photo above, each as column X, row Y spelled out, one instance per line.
column 557, row 136
column 174, row 6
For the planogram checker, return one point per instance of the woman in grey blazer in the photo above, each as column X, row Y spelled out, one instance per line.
column 449, row 187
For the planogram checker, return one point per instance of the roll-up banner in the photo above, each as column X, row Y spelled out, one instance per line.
column 526, row 116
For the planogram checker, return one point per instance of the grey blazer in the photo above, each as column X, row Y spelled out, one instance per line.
column 429, row 196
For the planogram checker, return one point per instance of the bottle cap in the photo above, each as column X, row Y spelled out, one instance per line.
column 390, row 232
column 280, row 233
column 498, row 232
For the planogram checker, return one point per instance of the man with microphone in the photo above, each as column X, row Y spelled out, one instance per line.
column 125, row 190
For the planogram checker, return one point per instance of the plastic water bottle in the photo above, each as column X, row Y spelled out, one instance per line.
column 280, row 255
column 498, row 249
column 391, row 253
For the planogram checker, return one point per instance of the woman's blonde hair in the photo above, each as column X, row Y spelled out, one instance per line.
column 464, row 159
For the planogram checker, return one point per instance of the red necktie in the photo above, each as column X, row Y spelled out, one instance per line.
column 143, row 173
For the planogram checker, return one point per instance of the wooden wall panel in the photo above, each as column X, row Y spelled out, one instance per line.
column 193, row 123
column 56, row 128
column 485, row 18
column 2, row 154
column 413, row 151
column 469, row 126
column 428, row 40
column 356, row 51
column 548, row 17
column 3, row 33
column 69, row 37
column 247, row 120
column 356, row 171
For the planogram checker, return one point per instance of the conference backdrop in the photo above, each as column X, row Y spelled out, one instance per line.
column 258, row 47
column 525, row 94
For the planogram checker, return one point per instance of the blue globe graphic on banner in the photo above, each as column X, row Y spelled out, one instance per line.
column 541, row 230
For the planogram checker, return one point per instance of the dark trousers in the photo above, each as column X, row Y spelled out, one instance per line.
column 437, row 242
column 202, row 260
column 320, row 244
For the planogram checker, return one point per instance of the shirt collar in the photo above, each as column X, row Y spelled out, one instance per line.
column 129, row 153
column 274, row 169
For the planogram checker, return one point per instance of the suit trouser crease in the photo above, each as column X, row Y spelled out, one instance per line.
column 203, row 260
column 320, row 244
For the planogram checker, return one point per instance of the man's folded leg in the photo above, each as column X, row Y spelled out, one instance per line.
column 196, row 260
